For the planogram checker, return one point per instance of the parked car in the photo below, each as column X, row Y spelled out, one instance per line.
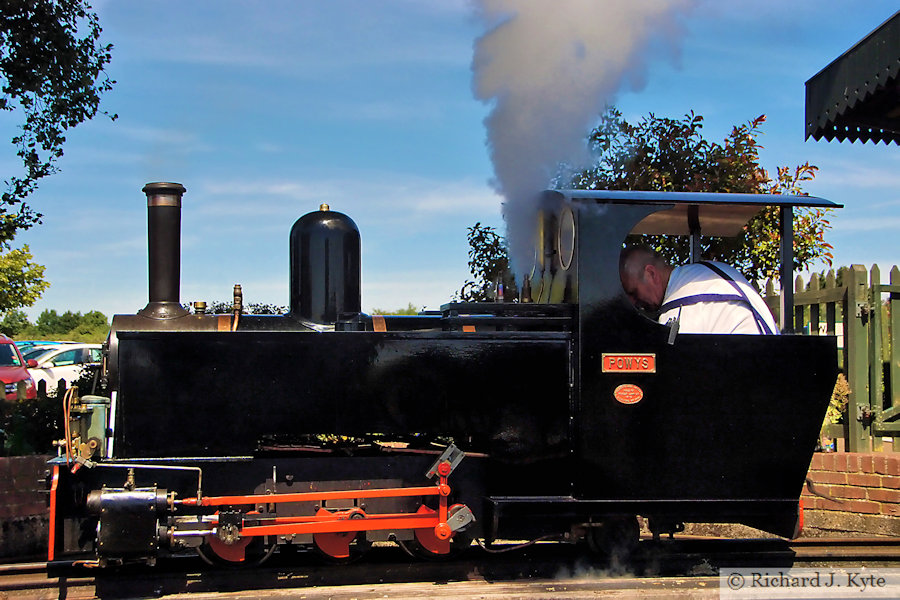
column 26, row 345
column 63, row 362
column 29, row 345
column 13, row 370
column 35, row 351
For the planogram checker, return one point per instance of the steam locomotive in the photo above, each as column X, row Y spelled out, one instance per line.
column 236, row 435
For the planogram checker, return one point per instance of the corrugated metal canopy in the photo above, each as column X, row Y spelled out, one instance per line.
column 857, row 96
column 718, row 215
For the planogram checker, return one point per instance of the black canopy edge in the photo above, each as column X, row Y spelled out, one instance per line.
column 857, row 96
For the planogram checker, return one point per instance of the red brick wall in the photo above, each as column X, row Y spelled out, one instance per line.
column 866, row 489
column 22, row 485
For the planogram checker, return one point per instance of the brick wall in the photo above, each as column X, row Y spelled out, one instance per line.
column 866, row 492
column 23, row 506
column 22, row 485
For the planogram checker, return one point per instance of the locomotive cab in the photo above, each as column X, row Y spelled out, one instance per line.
column 686, row 427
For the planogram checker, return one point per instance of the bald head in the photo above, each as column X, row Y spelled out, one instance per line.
column 645, row 276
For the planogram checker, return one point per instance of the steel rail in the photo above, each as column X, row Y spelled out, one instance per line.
column 545, row 560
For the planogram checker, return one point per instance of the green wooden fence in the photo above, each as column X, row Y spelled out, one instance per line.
column 865, row 315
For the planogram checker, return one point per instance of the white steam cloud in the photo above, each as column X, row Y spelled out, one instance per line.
column 549, row 68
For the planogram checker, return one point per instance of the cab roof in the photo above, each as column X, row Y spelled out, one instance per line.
column 719, row 215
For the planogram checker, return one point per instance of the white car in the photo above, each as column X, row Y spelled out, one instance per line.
column 64, row 362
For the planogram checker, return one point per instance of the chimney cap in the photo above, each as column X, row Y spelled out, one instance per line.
column 163, row 187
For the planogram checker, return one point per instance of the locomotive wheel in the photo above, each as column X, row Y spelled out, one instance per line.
column 615, row 538
column 457, row 545
column 247, row 552
column 428, row 546
column 342, row 547
column 242, row 552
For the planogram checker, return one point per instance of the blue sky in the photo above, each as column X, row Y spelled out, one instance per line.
column 263, row 110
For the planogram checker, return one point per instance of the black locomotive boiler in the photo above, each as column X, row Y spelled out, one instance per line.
column 235, row 435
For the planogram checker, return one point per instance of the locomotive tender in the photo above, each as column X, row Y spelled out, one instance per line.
column 566, row 416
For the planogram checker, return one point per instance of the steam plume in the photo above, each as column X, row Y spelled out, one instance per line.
column 550, row 68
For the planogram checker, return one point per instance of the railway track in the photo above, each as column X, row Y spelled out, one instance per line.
column 684, row 566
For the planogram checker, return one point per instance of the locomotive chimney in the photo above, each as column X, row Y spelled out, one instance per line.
column 164, row 246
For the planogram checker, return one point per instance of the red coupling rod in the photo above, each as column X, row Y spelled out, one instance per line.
column 314, row 496
column 343, row 521
column 336, row 524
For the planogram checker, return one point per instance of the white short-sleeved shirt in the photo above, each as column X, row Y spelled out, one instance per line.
column 711, row 304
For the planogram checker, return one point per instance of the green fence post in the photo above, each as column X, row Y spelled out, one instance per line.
column 889, row 423
column 856, row 349
column 814, row 307
column 876, row 394
column 830, row 308
column 772, row 299
column 798, row 306
column 894, row 371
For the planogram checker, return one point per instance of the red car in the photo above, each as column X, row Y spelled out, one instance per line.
column 13, row 369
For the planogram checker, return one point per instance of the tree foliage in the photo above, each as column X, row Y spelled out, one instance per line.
column 13, row 323
column 92, row 326
column 411, row 309
column 21, row 281
column 672, row 155
column 50, row 322
column 221, row 307
column 52, row 72
column 661, row 154
column 30, row 427
column 489, row 266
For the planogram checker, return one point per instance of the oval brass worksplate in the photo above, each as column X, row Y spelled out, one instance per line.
column 628, row 393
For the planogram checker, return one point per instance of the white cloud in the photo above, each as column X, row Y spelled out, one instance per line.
column 402, row 194
column 400, row 110
column 858, row 174
column 874, row 223
column 270, row 147
column 156, row 135
column 298, row 38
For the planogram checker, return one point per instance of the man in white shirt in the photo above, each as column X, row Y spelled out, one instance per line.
column 704, row 297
